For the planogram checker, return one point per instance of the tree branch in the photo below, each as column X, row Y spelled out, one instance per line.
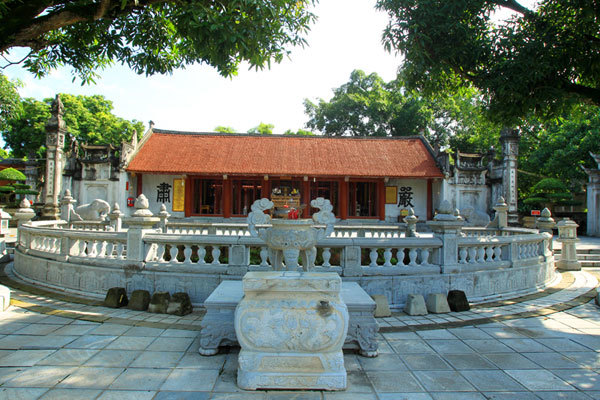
column 587, row 92
column 515, row 6
column 31, row 33
column 14, row 62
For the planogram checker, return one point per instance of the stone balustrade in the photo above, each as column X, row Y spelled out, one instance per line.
column 484, row 262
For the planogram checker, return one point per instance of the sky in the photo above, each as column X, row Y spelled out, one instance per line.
column 346, row 36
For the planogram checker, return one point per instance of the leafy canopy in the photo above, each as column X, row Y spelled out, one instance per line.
column 10, row 101
column 11, row 174
column 262, row 129
column 151, row 36
column 539, row 61
column 89, row 119
column 368, row 106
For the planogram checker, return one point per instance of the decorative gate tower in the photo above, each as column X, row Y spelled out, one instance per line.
column 56, row 129
column 509, row 139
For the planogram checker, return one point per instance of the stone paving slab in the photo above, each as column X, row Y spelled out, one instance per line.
column 545, row 346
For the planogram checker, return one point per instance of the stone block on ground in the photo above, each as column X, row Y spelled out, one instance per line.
column 4, row 298
column 415, row 305
column 437, row 303
column 457, row 300
column 383, row 308
column 139, row 301
column 180, row 304
column 115, row 297
column 159, row 303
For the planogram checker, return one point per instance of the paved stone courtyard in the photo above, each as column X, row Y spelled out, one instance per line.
column 545, row 346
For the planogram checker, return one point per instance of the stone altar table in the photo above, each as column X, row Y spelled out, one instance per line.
column 291, row 327
column 217, row 324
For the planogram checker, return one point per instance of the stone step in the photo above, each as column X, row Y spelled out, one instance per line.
column 590, row 264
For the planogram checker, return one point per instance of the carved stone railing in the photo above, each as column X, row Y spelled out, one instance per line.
column 147, row 255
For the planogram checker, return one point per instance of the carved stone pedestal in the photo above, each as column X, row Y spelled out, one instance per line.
column 291, row 327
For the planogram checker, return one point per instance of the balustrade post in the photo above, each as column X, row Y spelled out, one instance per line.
column 115, row 217
column 411, row 223
column 501, row 218
column 164, row 218
column 351, row 261
column 140, row 223
column 545, row 223
column 23, row 215
column 447, row 227
column 67, row 207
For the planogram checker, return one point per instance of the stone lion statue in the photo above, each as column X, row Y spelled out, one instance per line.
column 474, row 217
column 97, row 210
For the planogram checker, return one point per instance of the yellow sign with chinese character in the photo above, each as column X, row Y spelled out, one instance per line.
column 178, row 194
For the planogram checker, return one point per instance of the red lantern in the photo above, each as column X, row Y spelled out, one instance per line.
column 130, row 201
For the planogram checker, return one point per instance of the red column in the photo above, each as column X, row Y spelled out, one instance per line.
column 227, row 189
column 429, row 199
column 306, row 198
column 188, row 196
column 343, row 199
column 139, row 185
column 381, row 199
column 265, row 192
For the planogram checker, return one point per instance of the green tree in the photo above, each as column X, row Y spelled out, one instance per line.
column 262, row 129
column 299, row 132
column 151, row 36
column 10, row 101
column 224, row 129
column 89, row 119
column 368, row 106
column 539, row 61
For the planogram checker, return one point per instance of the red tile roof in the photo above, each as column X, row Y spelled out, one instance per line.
column 169, row 152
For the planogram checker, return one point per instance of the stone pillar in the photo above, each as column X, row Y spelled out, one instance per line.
column 164, row 218
column 56, row 128
column 67, row 206
column 115, row 218
column 593, row 198
column 141, row 222
column 567, row 236
column 545, row 223
column 509, row 139
column 411, row 223
column 501, row 218
column 447, row 227
column 23, row 215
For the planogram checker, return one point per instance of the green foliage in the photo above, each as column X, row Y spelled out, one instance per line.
column 11, row 174
column 560, row 148
column 152, row 36
column 10, row 102
column 89, row 119
column 262, row 129
column 369, row 106
column 224, row 129
column 299, row 132
column 7, row 189
column 538, row 61
column 26, row 191
column 548, row 191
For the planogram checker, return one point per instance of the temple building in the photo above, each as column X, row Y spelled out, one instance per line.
column 220, row 175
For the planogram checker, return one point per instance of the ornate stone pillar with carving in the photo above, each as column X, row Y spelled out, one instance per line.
column 509, row 138
column 56, row 128
column 593, row 198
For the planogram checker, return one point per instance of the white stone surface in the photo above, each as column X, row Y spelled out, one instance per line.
column 415, row 305
column 437, row 303
column 291, row 327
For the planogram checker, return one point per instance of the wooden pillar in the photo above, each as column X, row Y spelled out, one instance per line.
column 227, row 194
column 429, row 199
column 343, row 199
column 381, row 199
column 306, row 198
column 139, row 186
column 265, row 192
column 189, row 199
